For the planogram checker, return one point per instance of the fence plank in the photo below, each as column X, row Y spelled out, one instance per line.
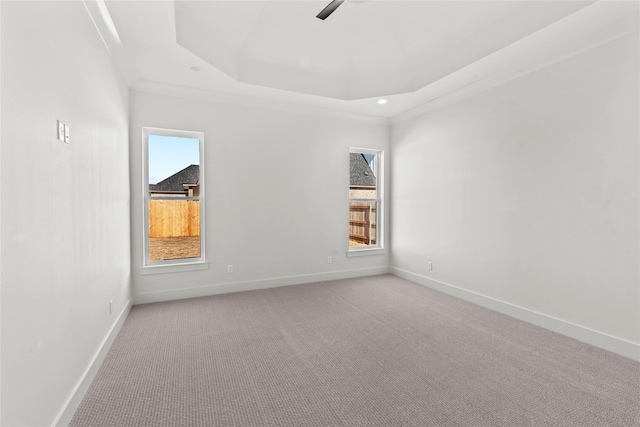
column 362, row 223
column 174, row 218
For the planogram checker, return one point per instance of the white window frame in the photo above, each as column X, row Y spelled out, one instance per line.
column 181, row 264
column 378, row 248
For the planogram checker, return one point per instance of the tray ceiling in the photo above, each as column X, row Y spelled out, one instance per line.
column 365, row 49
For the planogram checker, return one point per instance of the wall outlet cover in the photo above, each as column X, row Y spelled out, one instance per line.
column 60, row 131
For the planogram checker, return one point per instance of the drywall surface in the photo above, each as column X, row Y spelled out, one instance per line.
column 528, row 193
column 277, row 189
column 65, row 207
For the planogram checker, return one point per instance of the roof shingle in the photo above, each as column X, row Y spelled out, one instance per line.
column 360, row 173
column 189, row 175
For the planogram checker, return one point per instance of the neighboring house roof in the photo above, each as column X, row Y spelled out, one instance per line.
column 361, row 173
column 187, row 176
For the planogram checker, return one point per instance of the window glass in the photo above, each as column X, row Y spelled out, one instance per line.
column 364, row 198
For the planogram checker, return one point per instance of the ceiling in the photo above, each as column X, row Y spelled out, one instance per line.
column 412, row 53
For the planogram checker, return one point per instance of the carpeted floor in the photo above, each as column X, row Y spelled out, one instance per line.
column 375, row 351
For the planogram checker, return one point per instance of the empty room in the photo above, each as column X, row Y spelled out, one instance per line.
column 319, row 213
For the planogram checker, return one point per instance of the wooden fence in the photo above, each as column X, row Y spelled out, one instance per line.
column 174, row 218
column 362, row 223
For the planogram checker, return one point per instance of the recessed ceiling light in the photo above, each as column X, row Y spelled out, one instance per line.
column 195, row 68
column 382, row 101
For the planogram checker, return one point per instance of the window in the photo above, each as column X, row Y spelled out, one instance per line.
column 173, row 197
column 365, row 199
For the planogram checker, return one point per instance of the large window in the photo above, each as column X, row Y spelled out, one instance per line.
column 365, row 199
column 173, row 196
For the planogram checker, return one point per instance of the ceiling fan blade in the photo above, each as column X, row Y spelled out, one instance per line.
column 328, row 10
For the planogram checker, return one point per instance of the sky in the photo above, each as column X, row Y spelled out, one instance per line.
column 171, row 154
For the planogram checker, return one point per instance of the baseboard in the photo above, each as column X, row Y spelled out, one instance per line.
column 250, row 285
column 71, row 405
column 614, row 344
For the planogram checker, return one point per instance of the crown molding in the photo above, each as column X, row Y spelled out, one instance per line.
column 156, row 88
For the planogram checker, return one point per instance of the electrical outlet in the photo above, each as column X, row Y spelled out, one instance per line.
column 429, row 266
column 230, row 268
column 66, row 134
column 110, row 305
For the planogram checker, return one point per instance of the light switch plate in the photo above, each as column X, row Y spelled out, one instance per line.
column 60, row 131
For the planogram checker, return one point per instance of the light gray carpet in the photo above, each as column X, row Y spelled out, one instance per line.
column 376, row 351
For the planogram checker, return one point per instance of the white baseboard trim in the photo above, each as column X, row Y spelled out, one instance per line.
column 250, row 285
column 75, row 398
column 599, row 339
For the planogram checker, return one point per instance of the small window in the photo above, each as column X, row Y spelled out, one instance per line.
column 174, row 196
column 365, row 199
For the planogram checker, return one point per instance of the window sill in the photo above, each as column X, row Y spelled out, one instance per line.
column 366, row 252
column 174, row 268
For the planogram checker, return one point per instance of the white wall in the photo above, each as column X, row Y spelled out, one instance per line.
column 277, row 188
column 528, row 194
column 65, row 208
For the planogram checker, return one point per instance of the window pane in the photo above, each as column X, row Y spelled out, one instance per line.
column 362, row 222
column 174, row 192
column 172, row 158
column 174, row 229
